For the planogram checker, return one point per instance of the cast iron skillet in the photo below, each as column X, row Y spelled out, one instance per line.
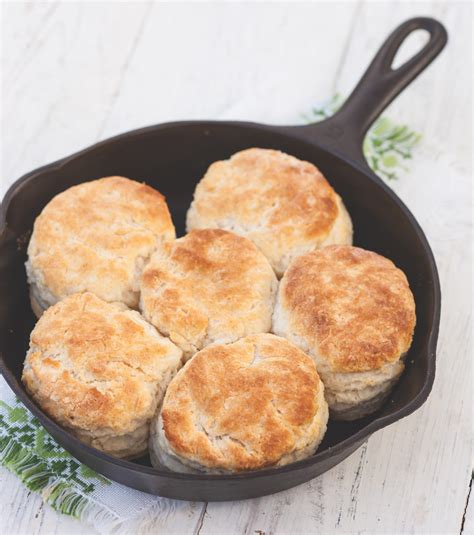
column 173, row 157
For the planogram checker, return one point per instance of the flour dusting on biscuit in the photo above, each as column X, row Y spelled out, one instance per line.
column 283, row 204
column 100, row 370
column 211, row 286
column 352, row 310
column 96, row 237
column 256, row 403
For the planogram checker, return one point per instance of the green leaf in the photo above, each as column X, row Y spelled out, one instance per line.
column 389, row 160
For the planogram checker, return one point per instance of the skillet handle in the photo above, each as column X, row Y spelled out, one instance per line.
column 379, row 85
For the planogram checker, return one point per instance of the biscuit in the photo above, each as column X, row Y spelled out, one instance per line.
column 212, row 286
column 96, row 237
column 352, row 311
column 253, row 404
column 284, row 205
column 100, row 370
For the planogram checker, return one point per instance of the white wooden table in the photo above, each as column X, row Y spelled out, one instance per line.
column 78, row 72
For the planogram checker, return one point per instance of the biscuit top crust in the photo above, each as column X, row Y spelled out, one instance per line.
column 96, row 237
column 244, row 405
column 96, row 365
column 275, row 199
column 354, row 308
column 212, row 285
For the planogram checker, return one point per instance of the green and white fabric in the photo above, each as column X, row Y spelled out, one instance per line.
column 68, row 486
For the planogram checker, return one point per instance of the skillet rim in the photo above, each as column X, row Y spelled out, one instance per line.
column 302, row 134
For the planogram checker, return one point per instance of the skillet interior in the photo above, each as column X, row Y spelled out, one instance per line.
column 173, row 158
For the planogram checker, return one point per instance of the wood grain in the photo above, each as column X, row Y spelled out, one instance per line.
column 78, row 72
column 468, row 518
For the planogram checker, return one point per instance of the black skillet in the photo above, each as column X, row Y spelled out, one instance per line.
column 172, row 157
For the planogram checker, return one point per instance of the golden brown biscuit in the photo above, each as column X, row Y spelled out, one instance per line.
column 211, row 286
column 96, row 237
column 100, row 370
column 252, row 404
column 353, row 312
column 284, row 205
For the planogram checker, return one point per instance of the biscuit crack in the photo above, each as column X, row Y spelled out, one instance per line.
column 218, row 440
column 272, row 401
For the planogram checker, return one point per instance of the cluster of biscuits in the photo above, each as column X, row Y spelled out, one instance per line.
column 224, row 350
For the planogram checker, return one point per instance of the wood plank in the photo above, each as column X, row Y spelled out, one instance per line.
column 63, row 68
column 260, row 62
column 23, row 512
column 468, row 519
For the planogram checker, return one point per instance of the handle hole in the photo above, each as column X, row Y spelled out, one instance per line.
column 413, row 43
